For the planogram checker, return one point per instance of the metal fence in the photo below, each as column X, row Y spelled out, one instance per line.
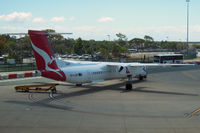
column 17, row 67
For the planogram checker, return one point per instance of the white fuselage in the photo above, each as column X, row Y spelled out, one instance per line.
column 86, row 72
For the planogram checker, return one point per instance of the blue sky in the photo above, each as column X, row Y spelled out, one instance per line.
column 95, row 19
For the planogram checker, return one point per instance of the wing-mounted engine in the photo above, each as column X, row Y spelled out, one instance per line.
column 122, row 69
column 125, row 70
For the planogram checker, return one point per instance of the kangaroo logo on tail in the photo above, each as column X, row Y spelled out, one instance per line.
column 45, row 59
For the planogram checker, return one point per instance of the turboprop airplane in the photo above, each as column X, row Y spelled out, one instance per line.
column 80, row 72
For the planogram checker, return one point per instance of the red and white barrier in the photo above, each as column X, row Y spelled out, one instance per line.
column 19, row 75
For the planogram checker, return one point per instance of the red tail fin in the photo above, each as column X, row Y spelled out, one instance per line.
column 44, row 56
column 42, row 49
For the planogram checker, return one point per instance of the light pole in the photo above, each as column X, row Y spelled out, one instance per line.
column 188, row 1
column 167, row 38
column 108, row 46
column 108, row 38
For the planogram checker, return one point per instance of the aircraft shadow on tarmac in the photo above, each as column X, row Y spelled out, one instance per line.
column 40, row 104
column 89, row 89
column 117, row 87
column 140, row 89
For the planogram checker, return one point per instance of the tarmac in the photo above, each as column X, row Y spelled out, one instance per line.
column 161, row 104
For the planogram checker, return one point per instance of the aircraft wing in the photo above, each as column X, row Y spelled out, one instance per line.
column 145, row 65
column 159, row 65
column 125, row 68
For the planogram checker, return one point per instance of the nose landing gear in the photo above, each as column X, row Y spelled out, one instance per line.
column 129, row 83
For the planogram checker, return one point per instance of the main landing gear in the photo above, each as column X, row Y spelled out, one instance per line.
column 142, row 77
column 78, row 85
column 129, row 83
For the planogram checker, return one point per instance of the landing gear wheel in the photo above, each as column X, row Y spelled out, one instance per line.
column 129, row 83
column 141, row 77
column 54, row 90
column 129, row 86
column 79, row 85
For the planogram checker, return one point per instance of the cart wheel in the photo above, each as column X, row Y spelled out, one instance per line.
column 54, row 90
